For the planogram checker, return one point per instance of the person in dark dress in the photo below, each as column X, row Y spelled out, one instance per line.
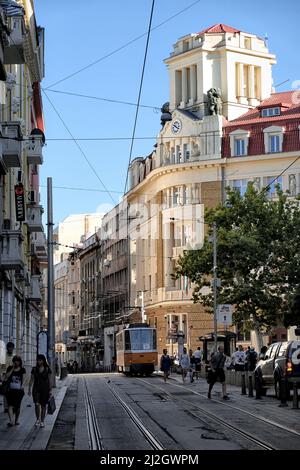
column 15, row 393
column 165, row 364
column 41, row 390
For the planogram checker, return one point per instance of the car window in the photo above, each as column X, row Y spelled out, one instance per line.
column 269, row 352
column 274, row 349
column 282, row 349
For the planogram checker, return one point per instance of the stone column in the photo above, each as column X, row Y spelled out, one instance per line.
column 193, row 76
column 184, row 86
column 251, row 81
column 242, row 95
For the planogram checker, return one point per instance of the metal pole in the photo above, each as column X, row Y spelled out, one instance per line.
column 215, row 284
column 143, row 307
column 51, row 308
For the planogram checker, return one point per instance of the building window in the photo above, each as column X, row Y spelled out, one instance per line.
column 178, row 154
column 274, row 143
column 269, row 112
column 241, row 186
column 247, row 42
column 186, row 152
column 239, row 147
column 272, row 184
column 176, row 196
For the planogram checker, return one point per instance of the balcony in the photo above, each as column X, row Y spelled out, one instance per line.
column 14, row 49
column 11, row 249
column 34, row 289
column 34, row 219
column 11, row 144
column 34, row 154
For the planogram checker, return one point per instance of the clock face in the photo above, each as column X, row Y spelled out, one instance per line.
column 176, row 126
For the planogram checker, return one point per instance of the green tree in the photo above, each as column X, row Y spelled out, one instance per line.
column 258, row 243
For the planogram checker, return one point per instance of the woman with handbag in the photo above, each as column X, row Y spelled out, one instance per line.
column 15, row 391
column 41, row 390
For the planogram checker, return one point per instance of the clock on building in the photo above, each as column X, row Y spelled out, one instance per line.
column 176, row 126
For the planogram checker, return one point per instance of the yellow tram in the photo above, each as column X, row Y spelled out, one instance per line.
column 136, row 349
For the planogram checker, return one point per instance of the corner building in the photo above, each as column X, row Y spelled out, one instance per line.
column 215, row 76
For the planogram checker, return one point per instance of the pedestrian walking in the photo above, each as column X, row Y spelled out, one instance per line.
column 165, row 364
column 184, row 363
column 15, row 392
column 218, row 361
column 192, row 365
column 263, row 351
column 40, row 382
column 10, row 347
column 198, row 358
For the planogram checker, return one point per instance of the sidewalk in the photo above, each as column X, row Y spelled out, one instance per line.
column 26, row 436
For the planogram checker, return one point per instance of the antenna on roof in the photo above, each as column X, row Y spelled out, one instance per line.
column 266, row 40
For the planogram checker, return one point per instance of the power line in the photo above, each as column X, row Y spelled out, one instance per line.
column 123, row 46
column 79, row 147
column 140, row 92
column 109, row 100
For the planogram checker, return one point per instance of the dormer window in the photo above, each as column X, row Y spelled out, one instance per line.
column 239, row 142
column 269, row 112
column 274, row 143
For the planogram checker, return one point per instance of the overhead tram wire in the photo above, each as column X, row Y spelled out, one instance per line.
column 79, row 147
column 137, row 38
column 109, row 100
column 140, row 92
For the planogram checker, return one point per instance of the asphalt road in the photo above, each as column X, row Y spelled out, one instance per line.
column 114, row 412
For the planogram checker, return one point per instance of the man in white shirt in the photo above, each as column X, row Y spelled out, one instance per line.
column 239, row 359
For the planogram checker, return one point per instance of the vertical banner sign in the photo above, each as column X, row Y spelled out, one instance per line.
column 42, row 343
column 20, row 203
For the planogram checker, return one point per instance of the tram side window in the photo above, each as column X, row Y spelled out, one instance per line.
column 127, row 341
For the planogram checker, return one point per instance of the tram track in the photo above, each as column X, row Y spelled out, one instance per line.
column 148, row 435
column 204, row 411
column 95, row 439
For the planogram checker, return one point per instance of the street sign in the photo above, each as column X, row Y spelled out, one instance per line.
column 42, row 343
column 224, row 314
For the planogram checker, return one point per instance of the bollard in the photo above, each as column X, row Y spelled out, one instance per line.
column 282, row 385
column 295, row 396
column 250, row 394
column 257, row 388
column 243, row 384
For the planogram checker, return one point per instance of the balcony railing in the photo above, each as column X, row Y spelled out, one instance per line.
column 34, row 289
column 34, row 219
column 11, row 144
column 14, row 49
column 11, row 249
column 34, row 154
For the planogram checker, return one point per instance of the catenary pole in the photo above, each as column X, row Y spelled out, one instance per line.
column 51, row 307
column 215, row 284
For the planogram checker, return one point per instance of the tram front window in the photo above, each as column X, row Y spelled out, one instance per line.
column 141, row 340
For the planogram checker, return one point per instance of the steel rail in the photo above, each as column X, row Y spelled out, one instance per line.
column 155, row 444
column 95, row 438
column 244, row 434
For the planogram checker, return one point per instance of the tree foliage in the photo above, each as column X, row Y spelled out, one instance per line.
column 258, row 258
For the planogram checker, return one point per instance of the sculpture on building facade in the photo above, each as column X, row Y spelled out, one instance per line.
column 214, row 101
column 292, row 185
column 256, row 184
column 166, row 115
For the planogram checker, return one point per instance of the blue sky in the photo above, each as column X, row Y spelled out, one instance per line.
column 78, row 33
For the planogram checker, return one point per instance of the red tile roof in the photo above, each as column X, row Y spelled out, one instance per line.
column 220, row 28
column 253, row 122
column 289, row 100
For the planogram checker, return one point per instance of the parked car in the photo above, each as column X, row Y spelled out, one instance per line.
column 281, row 361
